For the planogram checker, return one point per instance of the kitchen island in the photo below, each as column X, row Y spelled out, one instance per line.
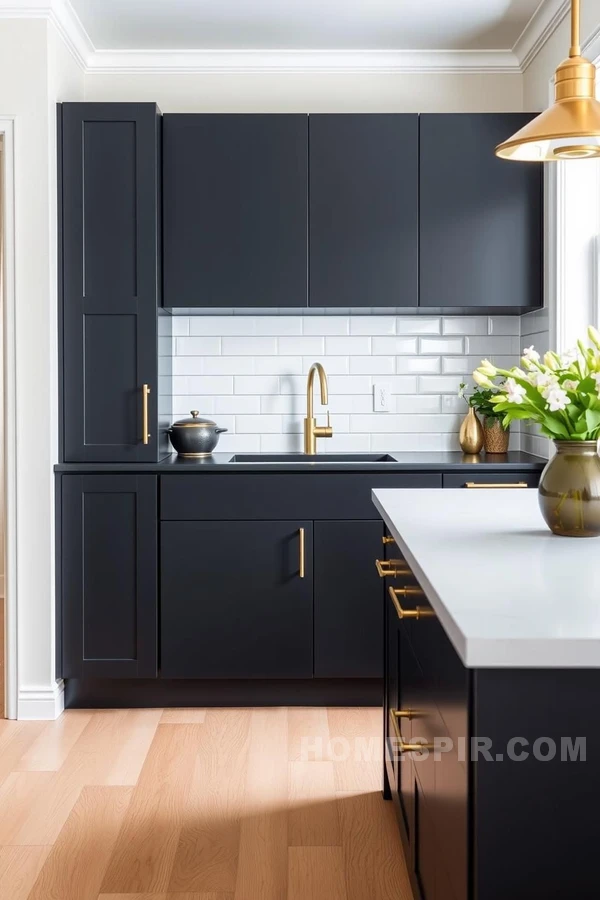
column 492, row 665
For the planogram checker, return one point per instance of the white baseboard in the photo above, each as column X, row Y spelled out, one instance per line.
column 41, row 702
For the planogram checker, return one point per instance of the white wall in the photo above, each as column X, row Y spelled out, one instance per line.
column 313, row 93
column 33, row 66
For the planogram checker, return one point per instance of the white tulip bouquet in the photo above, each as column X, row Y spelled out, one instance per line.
column 561, row 392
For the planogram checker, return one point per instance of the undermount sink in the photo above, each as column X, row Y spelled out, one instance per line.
column 318, row 457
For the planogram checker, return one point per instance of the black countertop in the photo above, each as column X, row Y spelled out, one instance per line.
column 450, row 461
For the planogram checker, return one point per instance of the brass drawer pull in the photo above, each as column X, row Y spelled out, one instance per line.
column 402, row 747
column 419, row 612
column 516, row 484
column 302, row 563
column 391, row 568
column 386, row 539
column 145, row 432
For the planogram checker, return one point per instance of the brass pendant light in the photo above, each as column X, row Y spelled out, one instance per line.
column 570, row 129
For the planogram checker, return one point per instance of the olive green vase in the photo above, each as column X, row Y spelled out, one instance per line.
column 569, row 490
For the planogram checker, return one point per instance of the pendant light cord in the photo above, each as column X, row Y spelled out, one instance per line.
column 575, row 47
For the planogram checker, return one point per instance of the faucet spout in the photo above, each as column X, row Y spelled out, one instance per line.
column 311, row 430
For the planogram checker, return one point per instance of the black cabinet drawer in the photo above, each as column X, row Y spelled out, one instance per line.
column 269, row 495
column 491, row 480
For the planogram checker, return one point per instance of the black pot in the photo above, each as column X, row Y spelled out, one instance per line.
column 195, row 436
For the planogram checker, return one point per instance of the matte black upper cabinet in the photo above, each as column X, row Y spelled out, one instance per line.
column 235, row 192
column 480, row 216
column 109, row 168
column 364, row 210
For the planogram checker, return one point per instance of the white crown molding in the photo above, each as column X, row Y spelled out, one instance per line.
column 541, row 26
column 302, row 61
column 64, row 18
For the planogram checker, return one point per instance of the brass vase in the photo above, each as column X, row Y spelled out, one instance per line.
column 495, row 437
column 569, row 490
column 471, row 433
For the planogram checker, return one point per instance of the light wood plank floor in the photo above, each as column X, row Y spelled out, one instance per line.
column 218, row 804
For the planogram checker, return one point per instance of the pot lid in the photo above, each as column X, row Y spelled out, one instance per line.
column 194, row 422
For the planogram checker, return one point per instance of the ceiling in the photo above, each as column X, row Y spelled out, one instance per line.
column 371, row 25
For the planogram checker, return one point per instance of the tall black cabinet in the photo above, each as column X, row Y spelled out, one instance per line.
column 109, row 177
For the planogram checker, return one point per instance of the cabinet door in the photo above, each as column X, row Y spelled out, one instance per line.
column 235, row 194
column 109, row 231
column 109, row 576
column 480, row 217
column 348, row 600
column 234, row 603
column 364, row 210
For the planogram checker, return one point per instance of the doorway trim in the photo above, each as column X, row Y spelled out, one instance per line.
column 7, row 128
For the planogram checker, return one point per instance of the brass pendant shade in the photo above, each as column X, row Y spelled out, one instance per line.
column 570, row 129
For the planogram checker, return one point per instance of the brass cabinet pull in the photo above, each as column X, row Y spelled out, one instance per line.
column 391, row 568
column 302, row 564
column 387, row 540
column 516, row 484
column 145, row 432
column 419, row 612
column 396, row 714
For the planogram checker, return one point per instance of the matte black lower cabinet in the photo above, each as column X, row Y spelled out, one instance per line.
column 481, row 817
column 109, row 576
column 348, row 590
column 237, row 599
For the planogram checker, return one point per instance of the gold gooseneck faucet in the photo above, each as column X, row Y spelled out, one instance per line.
column 312, row 431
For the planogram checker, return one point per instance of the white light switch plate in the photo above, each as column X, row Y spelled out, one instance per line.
column 382, row 396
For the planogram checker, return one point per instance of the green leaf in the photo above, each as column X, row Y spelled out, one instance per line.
column 592, row 418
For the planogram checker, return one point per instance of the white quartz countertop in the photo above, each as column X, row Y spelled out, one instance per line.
column 507, row 592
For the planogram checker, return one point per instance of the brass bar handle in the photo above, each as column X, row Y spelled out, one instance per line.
column 419, row 612
column 391, row 568
column 302, row 564
column 403, row 747
column 145, row 432
column 387, row 540
column 516, row 484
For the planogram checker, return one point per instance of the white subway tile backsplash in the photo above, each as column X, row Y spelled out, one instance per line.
column 249, row 373
column 249, row 346
column 197, row 346
column 418, row 325
column 324, row 325
column 258, row 424
column 372, row 365
column 278, row 365
column 222, row 325
column 418, row 365
column 371, row 325
column 441, row 345
column 347, row 346
column 292, row 346
column 464, row 325
column 392, row 346
column 256, row 384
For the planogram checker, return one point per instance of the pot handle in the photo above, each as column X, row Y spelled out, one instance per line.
column 220, row 430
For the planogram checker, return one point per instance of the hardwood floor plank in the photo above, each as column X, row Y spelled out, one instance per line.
column 262, row 865
column 313, row 819
column 77, row 862
column 144, row 856
column 219, row 895
column 18, row 793
column 308, row 734
column 19, row 868
column 373, row 856
column 139, row 730
column 15, row 740
column 49, row 751
column 317, row 873
column 183, row 716
column 88, row 763
column 207, row 853
column 356, row 749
